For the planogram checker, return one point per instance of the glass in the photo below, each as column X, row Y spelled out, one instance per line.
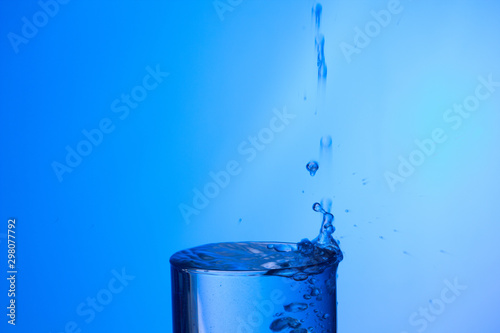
column 264, row 289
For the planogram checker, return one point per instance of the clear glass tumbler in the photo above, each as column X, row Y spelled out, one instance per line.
column 252, row 287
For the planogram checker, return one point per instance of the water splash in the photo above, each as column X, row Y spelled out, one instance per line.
column 325, row 238
column 320, row 61
column 326, row 203
column 312, row 167
column 317, row 15
column 319, row 43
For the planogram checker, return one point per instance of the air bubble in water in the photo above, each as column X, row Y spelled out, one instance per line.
column 301, row 276
column 299, row 330
column 282, row 323
column 295, row 307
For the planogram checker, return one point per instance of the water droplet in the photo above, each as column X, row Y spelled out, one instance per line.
column 326, row 315
column 312, row 167
column 326, row 142
column 295, row 307
column 317, row 208
column 240, row 220
column 347, row 210
column 381, row 237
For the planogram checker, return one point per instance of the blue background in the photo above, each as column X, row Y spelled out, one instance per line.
column 120, row 207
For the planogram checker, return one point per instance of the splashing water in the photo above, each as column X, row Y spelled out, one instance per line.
column 310, row 265
column 320, row 50
column 312, row 167
column 319, row 43
column 317, row 15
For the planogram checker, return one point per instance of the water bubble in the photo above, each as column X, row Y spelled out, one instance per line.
column 314, row 292
column 312, row 167
column 299, row 330
column 283, row 248
column 295, row 307
column 282, row 323
column 301, row 276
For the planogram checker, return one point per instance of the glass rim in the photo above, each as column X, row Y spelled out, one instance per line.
column 332, row 261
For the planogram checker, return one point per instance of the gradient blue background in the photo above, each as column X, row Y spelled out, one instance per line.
column 120, row 207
